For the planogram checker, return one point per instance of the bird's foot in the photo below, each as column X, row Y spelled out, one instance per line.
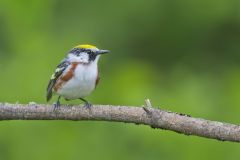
column 87, row 105
column 56, row 106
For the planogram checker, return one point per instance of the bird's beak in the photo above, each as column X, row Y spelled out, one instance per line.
column 102, row 52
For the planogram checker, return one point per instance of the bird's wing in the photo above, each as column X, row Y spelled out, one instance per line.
column 58, row 72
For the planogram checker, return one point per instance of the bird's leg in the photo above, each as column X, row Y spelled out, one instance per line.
column 87, row 104
column 57, row 104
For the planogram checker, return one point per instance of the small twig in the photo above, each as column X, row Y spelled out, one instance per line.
column 148, row 103
column 147, row 107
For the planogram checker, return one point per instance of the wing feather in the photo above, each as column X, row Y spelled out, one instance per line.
column 58, row 72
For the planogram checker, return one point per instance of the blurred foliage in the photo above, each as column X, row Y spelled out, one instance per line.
column 183, row 55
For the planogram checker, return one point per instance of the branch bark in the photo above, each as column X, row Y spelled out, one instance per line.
column 153, row 117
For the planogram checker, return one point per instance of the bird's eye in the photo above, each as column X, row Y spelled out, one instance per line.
column 89, row 52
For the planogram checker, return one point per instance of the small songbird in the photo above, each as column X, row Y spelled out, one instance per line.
column 77, row 75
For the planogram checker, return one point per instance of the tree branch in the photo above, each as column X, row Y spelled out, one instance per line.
column 156, row 118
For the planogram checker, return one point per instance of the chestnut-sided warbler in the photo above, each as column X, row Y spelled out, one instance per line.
column 77, row 74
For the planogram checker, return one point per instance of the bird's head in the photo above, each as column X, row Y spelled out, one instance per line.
column 85, row 54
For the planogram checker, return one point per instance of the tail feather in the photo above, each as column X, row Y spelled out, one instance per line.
column 49, row 96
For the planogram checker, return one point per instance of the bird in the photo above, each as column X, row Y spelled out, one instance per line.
column 77, row 75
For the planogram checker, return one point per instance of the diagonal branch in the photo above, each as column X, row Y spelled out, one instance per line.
column 156, row 118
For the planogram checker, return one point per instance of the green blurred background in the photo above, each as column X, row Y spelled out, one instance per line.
column 183, row 55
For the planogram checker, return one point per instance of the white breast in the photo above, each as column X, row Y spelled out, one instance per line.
column 82, row 83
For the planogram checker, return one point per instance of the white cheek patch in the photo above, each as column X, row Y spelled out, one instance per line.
column 83, row 57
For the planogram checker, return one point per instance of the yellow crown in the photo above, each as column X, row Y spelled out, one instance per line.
column 85, row 46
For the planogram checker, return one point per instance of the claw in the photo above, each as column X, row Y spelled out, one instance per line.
column 57, row 105
column 87, row 105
